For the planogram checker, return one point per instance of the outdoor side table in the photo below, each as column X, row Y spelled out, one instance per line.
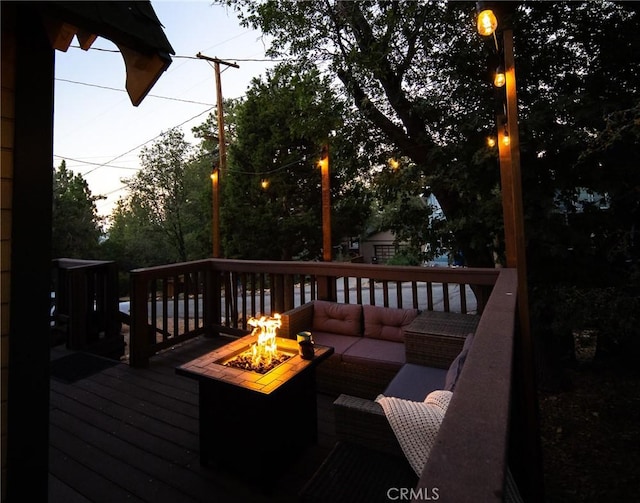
column 434, row 338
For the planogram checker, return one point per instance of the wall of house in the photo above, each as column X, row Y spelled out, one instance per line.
column 368, row 244
column 27, row 190
column 6, row 188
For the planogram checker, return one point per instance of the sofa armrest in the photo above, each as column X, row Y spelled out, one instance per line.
column 435, row 338
column 296, row 320
column 363, row 422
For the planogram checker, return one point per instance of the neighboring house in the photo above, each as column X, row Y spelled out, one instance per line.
column 378, row 247
column 31, row 32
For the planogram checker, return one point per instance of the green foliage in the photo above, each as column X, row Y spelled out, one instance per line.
column 164, row 218
column 405, row 257
column 578, row 138
column 416, row 73
column 411, row 70
column 610, row 311
column 76, row 227
column 281, row 127
column 133, row 241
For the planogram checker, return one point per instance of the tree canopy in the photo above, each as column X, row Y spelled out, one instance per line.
column 76, row 227
column 416, row 72
column 271, row 192
column 163, row 218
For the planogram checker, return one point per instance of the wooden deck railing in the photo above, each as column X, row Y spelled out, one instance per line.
column 172, row 303
column 84, row 306
column 482, row 433
column 483, row 436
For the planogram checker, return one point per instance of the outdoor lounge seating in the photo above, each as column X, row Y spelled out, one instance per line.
column 484, row 432
column 363, row 421
column 368, row 343
column 378, row 454
column 374, row 453
column 373, row 344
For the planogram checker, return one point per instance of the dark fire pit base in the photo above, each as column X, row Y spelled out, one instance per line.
column 247, row 420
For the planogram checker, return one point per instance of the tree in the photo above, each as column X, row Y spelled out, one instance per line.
column 411, row 71
column 157, row 196
column 133, row 241
column 415, row 72
column 76, row 227
column 271, row 192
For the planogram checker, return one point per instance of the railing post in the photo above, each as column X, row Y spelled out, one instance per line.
column 78, row 309
column 207, row 302
column 277, row 294
column 112, row 308
column 289, row 294
column 327, row 288
column 212, row 309
column 139, row 333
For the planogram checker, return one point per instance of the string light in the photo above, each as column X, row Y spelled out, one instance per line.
column 499, row 79
column 505, row 137
column 487, row 22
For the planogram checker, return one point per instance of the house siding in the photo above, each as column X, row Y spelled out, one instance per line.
column 7, row 122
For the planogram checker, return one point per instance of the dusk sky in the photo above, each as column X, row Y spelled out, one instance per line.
column 100, row 133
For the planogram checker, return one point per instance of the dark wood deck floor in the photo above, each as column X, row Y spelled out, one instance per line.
column 126, row 434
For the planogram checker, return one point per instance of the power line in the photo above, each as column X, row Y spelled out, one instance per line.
column 66, row 158
column 123, row 91
column 144, row 143
column 263, row 60
column 275, row 170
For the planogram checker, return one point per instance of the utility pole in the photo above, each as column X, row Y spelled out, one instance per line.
column 222, row 153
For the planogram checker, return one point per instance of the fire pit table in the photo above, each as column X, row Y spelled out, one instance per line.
column 247, row 416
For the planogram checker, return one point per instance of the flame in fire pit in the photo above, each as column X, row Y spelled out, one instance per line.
column 265, row 349
column 263, row 355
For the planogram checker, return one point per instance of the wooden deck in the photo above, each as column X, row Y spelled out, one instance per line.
column 126, row 434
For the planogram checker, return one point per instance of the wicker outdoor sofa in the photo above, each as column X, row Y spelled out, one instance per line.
column 368, row 462
column 376, row 457
column 370, row 344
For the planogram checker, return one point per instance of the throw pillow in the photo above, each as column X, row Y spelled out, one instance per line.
column 416, row 424
column 456, row 365
column 337, row 318
column 387, row 323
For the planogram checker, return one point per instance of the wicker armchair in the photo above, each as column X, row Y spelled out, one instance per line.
column 363, row 422
column 366, row 463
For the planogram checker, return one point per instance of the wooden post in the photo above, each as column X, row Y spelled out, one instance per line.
column 326, row 205
column 513, row 209
column 215, row 212
column 326, row 285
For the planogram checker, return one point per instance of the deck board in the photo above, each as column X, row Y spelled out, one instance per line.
column 127, row 434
